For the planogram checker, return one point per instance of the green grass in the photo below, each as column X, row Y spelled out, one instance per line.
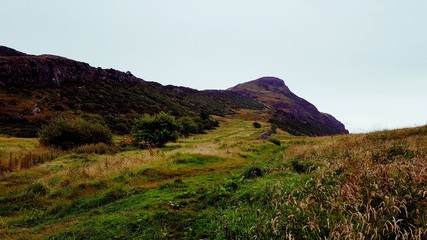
column 352, row 186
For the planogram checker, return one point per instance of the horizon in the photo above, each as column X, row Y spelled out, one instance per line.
column 365, row 60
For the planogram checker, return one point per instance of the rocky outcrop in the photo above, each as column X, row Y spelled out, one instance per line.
column 48, row 70
column 290, row 112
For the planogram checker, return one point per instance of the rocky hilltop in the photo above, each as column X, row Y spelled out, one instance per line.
column 33, row 89
column 290, row 112
column 9, row 52
column 48, row 70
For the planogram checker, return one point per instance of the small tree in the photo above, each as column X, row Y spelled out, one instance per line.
column 156, row 130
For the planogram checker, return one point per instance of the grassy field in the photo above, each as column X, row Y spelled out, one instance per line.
column 222, row 185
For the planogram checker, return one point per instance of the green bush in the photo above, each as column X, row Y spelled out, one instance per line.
column 156, row 130
column 256, row 125
column 188, row 126
column 67, row 133
column 210, row 124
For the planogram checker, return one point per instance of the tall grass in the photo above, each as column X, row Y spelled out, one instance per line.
column 15, row 160
column 368, row 186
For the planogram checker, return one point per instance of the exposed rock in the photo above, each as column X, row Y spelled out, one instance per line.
column 291, row 113
column 5, row 51
column 48, row 70
column 266, row 135
column 36, row 110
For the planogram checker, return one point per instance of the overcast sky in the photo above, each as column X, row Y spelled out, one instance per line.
column 364, row 61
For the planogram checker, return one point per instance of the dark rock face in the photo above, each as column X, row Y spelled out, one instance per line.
column 49, row 70
column 8, row 52
column 290, row 112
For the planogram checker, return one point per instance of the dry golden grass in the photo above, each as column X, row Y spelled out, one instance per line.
column 18, row 153
column 365, row 186
column 254, row 115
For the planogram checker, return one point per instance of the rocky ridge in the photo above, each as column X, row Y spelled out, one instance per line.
column 290, row 112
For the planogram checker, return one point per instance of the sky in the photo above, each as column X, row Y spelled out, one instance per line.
column 364, row 61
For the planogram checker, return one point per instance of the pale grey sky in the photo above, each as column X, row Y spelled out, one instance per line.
column 363, row 61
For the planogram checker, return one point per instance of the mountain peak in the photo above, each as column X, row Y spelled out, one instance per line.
column 290, row 112
column 10, row 52
column 270, row 84
column 272, row 81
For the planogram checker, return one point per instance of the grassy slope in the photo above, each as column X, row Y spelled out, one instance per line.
column 115, row 104
column 343, row 186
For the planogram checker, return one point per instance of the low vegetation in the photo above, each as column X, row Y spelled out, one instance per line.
column 70, row 132
column 117, row 103
column 256, row 125
column 156, row 130
column 225, row 184
column 159, row 129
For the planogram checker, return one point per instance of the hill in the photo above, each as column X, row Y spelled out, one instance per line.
column 33, row 89
column 290, row 112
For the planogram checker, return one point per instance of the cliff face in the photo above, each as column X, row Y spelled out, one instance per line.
column 290, row 112
column 47, row 70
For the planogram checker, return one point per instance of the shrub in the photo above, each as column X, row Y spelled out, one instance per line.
column 210, row 124
column 256, row 125
column 66, row 133
column 156, row 130
column 187, row 126
column 207, row 122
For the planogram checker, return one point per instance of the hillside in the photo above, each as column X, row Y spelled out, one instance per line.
column 33, row 89
column 290, row 112
column 222, row 185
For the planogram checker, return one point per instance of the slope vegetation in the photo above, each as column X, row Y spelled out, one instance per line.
column 222, row 185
